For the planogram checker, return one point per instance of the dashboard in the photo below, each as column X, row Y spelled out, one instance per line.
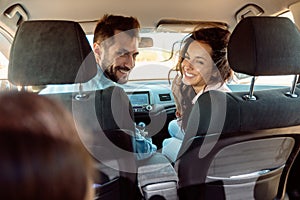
column 140, row 101
column 150, row 96
column 153, row 105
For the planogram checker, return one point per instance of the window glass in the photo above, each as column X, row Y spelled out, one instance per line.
column 155, row 62
column 4, row 83
column 3, row 66
column 288, row 15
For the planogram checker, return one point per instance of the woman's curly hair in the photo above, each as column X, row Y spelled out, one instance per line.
column 217, row 38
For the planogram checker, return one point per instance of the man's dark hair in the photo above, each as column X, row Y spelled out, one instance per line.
column 108, row 24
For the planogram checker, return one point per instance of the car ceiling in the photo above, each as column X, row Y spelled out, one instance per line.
column 148, row 12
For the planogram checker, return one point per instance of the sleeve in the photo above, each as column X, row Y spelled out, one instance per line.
column 143, row 146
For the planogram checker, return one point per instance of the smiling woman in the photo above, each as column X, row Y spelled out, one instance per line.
column 202, row 66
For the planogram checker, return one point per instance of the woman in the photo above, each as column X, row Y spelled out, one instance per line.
column 41, row 154
column 202, row 66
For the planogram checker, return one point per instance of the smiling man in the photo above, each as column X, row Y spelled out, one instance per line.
column 115, row 46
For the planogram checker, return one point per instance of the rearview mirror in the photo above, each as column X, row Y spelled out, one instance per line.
column 145, row 42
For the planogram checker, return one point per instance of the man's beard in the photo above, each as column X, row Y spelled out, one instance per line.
column 111, row 73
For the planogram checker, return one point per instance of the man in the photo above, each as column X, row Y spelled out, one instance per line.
column 115, row 48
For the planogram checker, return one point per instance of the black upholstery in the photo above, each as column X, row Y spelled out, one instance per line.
column 122, row 182
column 236, row 114
column 110, row 140
column 50, row 52
column 236, row 148
column 112, row 114
column 265, row 46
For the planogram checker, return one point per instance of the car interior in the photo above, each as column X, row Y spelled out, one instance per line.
column 238, row 145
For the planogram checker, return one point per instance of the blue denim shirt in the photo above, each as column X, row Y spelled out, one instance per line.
column 143, row 146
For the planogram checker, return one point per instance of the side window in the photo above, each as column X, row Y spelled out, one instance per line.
column 5, row 44
column 4, row 84
column 288, row 15
column 3, row 66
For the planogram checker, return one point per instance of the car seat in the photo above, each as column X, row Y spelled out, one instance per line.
column 242, row 145
column 52, row 52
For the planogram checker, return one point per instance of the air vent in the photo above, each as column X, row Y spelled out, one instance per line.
column 164, row 97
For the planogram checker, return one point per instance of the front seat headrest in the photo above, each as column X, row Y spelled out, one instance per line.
column 50, row 52
column 265, row 46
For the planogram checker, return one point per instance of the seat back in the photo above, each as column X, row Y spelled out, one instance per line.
column 106, row 115
column 51, row 52
column 242, row 145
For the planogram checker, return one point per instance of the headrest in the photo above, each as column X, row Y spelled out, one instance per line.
column 265, row 46
column 50, row 52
